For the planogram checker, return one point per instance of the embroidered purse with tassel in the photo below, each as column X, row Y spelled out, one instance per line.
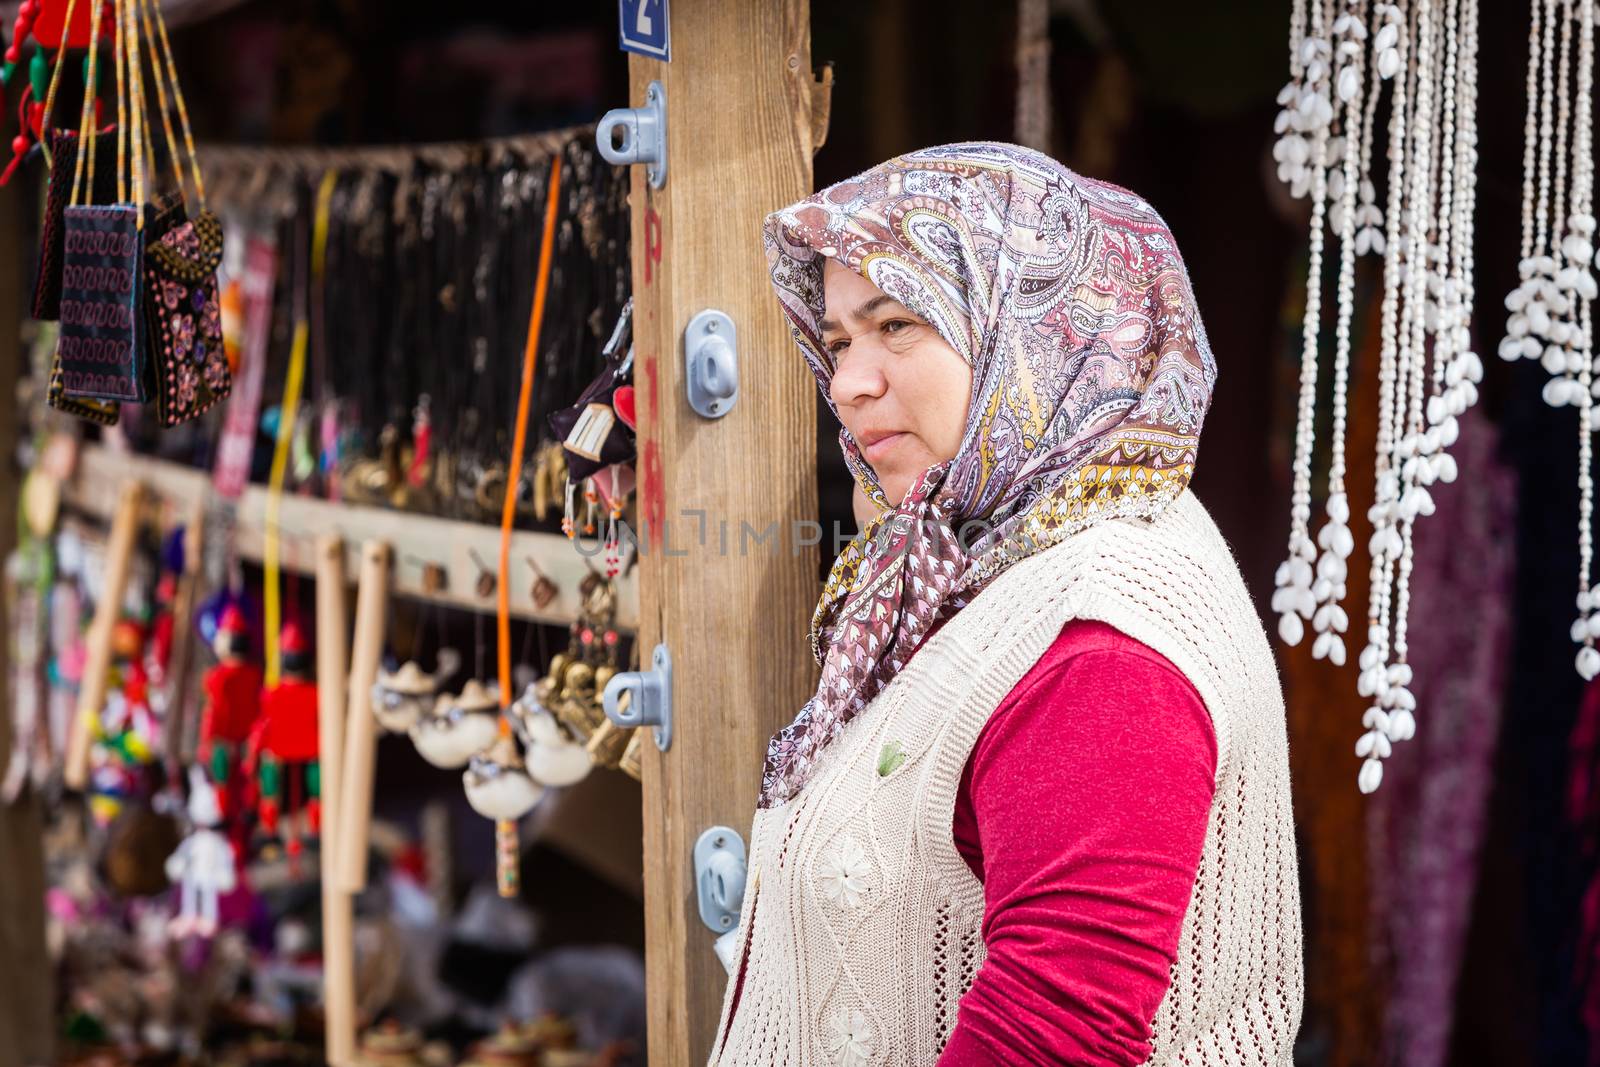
column 185, row 361
column 97, row 350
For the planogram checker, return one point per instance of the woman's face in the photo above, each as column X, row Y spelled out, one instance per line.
column 900, row 389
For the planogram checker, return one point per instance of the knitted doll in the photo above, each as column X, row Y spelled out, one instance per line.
column 283, row 745
column 233, row 703
column 202, row 864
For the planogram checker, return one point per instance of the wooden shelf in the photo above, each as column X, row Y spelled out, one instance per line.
column 417, row 539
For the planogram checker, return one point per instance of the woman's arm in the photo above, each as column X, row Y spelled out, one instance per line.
column 1083, row 808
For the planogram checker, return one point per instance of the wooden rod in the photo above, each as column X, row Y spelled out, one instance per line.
column 97, row 660
column 179, row 727
column 360, row 735
column 338, row 934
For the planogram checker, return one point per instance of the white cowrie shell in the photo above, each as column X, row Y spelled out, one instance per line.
column 1588, row 663
column 1372, row 770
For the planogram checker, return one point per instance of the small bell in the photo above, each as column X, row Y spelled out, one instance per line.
column 552, row 757
column 458, row 727
column 498, row 785
column 401, row 698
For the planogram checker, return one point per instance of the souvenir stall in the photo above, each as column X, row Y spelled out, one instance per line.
column 419, row 508
column 324, row 565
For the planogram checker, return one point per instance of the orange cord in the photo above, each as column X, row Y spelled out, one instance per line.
column 530, row 359
column 505, row 830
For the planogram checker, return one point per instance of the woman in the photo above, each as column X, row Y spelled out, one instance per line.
column 1038, row 809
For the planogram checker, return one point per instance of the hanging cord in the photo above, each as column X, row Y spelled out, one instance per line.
column 177, row 98
column 120, row 61
column 506, row 829
column 137, row 134
column 286, row 419
column 157, row 76
column 85, row 116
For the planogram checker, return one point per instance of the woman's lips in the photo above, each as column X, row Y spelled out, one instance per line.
column 881, row 447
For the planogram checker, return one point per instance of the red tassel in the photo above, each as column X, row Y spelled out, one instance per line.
column 19, row 144
column 422, row 442
column 269, row 815
column 314, row 815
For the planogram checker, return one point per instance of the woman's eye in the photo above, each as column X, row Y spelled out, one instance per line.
column 897, row 325
column 835, row 347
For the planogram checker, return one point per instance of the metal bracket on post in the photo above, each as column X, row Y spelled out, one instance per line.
column 644, row 135
column 711, row 363
column 719, row 877
column 649, row 698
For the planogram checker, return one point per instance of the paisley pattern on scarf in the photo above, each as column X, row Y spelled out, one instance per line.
column 1091, row 376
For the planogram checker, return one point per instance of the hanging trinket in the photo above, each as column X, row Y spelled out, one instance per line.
column 401, row 698
column 498, row 785
column 544, row 590
column 458, row 727
column 1552, row 309
column 629, row 763
column 233, row 703
column 203, row 865
column 421, row 443
column 553, row 757
column 1427, row 372
column 592, row 432
column 283, row 747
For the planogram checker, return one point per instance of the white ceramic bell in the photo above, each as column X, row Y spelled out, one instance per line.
column 401, row 698
column 498, row 785
column 459, row 727
column 552, row 756
column 556, row 765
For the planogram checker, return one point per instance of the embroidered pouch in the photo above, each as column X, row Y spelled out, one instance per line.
column 186, row 363
column 100, row 354
column 64, row 143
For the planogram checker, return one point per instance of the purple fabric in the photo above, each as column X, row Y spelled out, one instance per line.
column 1426, row 825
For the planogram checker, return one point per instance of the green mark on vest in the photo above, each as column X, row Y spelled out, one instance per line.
column 890, row 758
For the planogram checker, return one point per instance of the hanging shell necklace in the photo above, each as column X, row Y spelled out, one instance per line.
column 1341, row 56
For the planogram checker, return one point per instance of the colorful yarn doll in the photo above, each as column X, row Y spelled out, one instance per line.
column 283, row 746
column 233, row 704
column 203, row 863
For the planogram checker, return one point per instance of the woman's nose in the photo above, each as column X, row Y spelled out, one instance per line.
column 859, row 377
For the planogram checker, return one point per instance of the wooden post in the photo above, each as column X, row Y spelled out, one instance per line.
column 97, row 647
column 26, row 974
column 338, row 944
column 732, row 610
column 180, row 725
column 361, row 729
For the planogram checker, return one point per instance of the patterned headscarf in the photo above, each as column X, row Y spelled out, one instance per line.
column 1091, row 375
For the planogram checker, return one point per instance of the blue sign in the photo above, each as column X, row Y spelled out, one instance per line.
column 643, row 28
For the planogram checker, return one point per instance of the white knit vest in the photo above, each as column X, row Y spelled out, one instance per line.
column 861, row 922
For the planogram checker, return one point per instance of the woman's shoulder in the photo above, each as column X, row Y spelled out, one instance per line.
column 1088, row 649
column 1096, row 681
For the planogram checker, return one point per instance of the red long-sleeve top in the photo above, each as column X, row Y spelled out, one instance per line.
column 1082, row 809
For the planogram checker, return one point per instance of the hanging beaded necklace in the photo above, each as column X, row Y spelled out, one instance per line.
column 1341, row 54
column 1550, row 310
